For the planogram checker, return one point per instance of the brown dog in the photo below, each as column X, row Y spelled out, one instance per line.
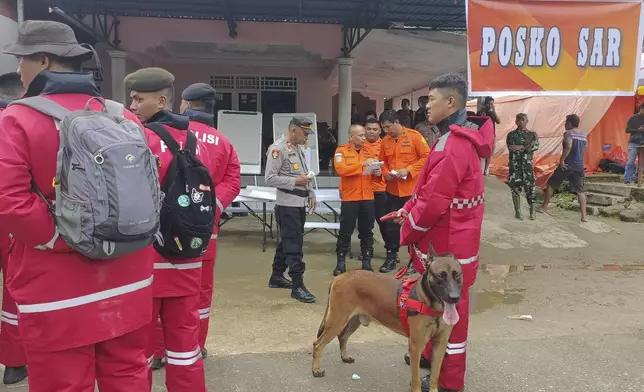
column 357, row 297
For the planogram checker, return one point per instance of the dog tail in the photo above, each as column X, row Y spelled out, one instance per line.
column 326, row 311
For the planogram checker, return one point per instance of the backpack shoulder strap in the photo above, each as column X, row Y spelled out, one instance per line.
column 44, row 105
column 114, row 108
column 165, row 136
column 191, row 142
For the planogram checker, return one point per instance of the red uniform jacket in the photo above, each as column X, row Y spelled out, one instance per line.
column 64, row 299
column 224, row 165
column 181, row 277
column 446, row 207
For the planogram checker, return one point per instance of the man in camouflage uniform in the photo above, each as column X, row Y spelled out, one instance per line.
column 522, row 143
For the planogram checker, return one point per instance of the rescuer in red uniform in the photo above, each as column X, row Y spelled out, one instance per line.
column 446, row 207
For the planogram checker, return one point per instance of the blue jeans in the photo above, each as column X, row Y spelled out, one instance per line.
column 631, row 170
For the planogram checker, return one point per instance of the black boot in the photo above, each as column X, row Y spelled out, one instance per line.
column 424, row 363
column 300, row 292
column 204, row 353
column 390, row 263
column 424, row 386
column 367, row 255
column 279, row 282
column 158, row 363
column 341, row 266
column 14, row 375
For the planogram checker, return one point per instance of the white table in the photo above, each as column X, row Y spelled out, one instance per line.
column 264, row 195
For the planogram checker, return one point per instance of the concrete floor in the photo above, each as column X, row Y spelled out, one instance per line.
column 582, row 283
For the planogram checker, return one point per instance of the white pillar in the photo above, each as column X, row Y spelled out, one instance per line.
column 118, row 68
column 380, row 105
column 344, row 98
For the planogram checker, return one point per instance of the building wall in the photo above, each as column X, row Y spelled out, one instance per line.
column 142, row 38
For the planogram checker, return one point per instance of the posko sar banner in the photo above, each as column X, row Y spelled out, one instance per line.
column 539, row 47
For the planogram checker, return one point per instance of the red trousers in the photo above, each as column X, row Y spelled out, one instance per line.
column 453, row 370
column 204, row 305
column 205, row 298
column 118, row 365
column 12, row 353
column 180, row 325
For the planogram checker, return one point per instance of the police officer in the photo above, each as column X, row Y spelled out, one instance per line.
column 286, row 170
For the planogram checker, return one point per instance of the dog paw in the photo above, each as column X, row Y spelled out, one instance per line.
column 348, row 360
column 318, row 373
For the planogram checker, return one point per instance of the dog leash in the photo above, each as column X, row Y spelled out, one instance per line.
column 422, row 257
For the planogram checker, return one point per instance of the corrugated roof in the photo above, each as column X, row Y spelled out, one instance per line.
column 438, row 14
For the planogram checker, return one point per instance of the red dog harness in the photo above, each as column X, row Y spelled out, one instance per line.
column 407, row 305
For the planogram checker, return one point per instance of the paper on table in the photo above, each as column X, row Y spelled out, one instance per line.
column 371, row 168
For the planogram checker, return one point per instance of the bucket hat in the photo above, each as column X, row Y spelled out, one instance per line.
column 40, row 36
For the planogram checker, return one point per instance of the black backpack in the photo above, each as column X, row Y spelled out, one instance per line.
column 188, row 209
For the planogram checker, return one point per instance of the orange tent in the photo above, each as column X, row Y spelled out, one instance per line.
column 604, row 117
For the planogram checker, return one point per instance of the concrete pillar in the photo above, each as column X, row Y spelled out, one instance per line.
column 380, row 105
column 118, row 72
column 344, row 98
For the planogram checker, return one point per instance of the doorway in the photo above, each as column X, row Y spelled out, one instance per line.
column 274, row 102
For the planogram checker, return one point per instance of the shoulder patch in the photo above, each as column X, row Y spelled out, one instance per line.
column 275, row 154
column 338, row 157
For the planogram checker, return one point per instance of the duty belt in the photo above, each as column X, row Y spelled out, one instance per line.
column 296, row 192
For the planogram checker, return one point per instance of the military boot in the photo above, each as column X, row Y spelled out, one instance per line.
column 516, row 200
column 279, row 282
column 390, row 263
column 367, row 255
column 341, row 266
column 300, row 292
column 158, row 363
column 533, row 214
column 13, row 375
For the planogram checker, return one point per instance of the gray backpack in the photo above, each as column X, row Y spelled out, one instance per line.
column 108, row 197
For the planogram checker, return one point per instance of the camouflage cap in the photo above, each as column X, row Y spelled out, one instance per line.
column 148, row 80
column 304, row 123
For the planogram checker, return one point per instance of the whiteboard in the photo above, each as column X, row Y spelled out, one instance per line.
column 244, row 130
column 280, row 126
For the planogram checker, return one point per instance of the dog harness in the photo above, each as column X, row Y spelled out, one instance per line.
column 411, row 306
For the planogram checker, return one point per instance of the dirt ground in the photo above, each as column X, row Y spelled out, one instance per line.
column 582, row 283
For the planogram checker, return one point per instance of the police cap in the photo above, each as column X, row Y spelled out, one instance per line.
column 304, row 123
column 148, row 80
column 199, row 92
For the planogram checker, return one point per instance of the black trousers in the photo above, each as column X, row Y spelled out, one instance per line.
column 363, row 212
column 380, row 200
column 289, row 246
column 394, row 203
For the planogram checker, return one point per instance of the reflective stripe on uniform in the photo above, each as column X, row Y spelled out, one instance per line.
column 9, row 318
column 221, row 206
column 414, row 226
column 469, row 260
column 183, row 358
column 456, row 348
column 177, row 266
column 214, row 236
column 204, row 313
column 150, row 360
column 85, row 299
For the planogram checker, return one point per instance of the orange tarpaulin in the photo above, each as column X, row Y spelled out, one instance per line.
column 604, row 117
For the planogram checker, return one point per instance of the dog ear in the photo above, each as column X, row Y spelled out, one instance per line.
column 432, row 252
